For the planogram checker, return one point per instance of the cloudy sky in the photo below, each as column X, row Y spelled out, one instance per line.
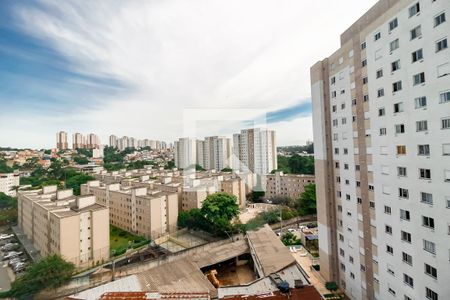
column 150, row 68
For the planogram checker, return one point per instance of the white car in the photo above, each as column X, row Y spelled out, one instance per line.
column 291, row 230
column 5, row 236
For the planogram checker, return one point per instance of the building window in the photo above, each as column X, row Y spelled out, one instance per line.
column 381, row 112
column 333, row 80
column 379, row 73
column 417, row 55
column 439, row 19
column 366, row 98
column 424, row 173
column 393, row 24
column 382, row 131
column 430, row 294
column 387, row 210
column 428, row 222
column 447, row 175
column 406, row 236
column 388, row 229
column 416, row 32
column 408, row 280
column 394, row 45
column 401, row 171
column 426, row 198
column 397, row 86
column 419, row 78
column 363, row 45
column 398, row 107
column 365, row 80
column 405, row 215
column 444, row 96
column 441, row 45
column 399, row 128
column 420, row 102
column 395, row 65
column 431, row 271
column 445, row 122
column 414, row 10
column 389, row 249
column 429, row 246
column 364, row 63
column 445, row 149
column 422, row 125
column 377, row 36
column 423, row 150
column 401, row 150
column 380, row 92
column 407, row 258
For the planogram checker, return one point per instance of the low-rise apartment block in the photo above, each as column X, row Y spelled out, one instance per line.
column 287, row 185
column 145, row 212
column 57, row 222
column 8, row 182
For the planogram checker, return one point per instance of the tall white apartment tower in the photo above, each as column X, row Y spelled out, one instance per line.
column 61, row 140
column 381, row 115
column 257, row 150
column 113, row 141
column 78, row 141
column 185, row 153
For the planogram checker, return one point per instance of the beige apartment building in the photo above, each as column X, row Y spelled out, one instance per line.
column 8, row 181
column 287, row 185
column 61, row 140
column 57, row 222
column 145, row 212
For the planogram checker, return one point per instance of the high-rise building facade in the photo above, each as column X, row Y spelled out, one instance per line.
column 92, row 141
column 78, row 141
column 185, row 153
column 255, row 150
column 61, row 140
column 381, row 115
column 113, row 141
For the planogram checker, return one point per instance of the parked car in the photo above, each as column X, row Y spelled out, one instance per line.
column 291, row 230
column 9, row 246
column 16, row 260
column 5, row 236
column 12, row 254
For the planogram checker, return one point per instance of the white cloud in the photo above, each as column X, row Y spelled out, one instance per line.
column 178, row 54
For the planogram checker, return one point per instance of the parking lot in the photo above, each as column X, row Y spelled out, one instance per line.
column 14, row 260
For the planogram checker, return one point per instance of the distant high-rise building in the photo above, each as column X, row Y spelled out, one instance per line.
column 216, row 153
column 93, row 141
column 185, row 154
column 113, row 141
column 256, row 150
column 381, row 119
column 78, row 141
column 61, row 140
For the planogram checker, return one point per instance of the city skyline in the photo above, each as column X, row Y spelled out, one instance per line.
column 110, row 87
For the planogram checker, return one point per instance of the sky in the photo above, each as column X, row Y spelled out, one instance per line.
column 151, row 69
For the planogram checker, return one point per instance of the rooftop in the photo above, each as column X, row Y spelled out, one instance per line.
column 271, row 254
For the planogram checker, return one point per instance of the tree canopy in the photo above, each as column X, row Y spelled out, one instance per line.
column 215, row 215
column 296, row 164
column 50, row 272
column 307, row 201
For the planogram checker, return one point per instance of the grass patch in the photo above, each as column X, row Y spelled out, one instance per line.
column 121, row 240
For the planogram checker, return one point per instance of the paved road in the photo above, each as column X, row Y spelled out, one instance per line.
column 5, row 280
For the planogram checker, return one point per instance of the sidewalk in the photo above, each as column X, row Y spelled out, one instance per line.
column 314, row 278
column 26, row 243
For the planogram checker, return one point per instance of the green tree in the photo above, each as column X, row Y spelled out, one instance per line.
column 307, row 201
column 81, row 160
column 50, row 272
column 7, row 201
column 170, row 165
column 289, row 239
column 227, row 169
column 199, row 168
column 74, row 182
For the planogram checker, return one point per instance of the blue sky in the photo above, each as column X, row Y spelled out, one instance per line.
column 133, row 67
